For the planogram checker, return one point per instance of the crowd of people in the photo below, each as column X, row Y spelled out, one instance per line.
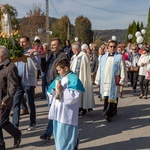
column 68, row 74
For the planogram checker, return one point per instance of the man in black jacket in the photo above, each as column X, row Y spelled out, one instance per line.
column 50, row 74
column 8, row 87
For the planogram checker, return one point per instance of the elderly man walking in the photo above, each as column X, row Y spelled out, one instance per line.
column 80, row 64
column 8, row 87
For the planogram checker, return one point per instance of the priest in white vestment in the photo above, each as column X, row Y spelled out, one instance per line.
column 111, row 69
column 80, row 64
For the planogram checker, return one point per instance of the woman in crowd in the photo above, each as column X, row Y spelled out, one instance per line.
column 142, row 63
column 67, row 49
column 133, row 67
column 120, row 51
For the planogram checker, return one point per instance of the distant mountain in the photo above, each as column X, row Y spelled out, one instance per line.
column 51, row 20
column 105, row 35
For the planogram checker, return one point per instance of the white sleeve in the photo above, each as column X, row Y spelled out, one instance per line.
column 71, row 97
column 123, row 73
column 50, row 97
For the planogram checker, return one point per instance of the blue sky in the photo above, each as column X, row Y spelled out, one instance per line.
column 103, row 14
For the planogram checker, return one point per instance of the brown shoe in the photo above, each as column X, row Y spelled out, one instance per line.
column 24, row 112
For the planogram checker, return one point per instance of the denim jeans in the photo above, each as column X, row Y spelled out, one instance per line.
column 43, row 85
column 133, row 79
column 23, row 105
column 29, row 91
column 49, row 128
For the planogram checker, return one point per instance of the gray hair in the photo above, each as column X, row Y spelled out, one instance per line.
column 4, row 50
column 45, row 44
column 76, row 45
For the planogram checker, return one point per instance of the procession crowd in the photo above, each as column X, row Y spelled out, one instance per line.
column 68, row 74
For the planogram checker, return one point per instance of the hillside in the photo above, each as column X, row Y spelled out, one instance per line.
column 105, row 35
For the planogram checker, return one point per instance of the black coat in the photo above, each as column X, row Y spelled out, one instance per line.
column 51, row 62
column 8, row 83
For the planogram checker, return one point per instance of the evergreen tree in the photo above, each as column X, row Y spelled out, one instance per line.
column 138, row 26
column 134, row 30
column 141, row 26
column 147, row 36
column 129, row 31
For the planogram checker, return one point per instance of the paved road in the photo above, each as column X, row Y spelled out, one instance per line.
column 129, row 130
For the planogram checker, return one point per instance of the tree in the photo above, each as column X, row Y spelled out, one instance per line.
column 35, row 19
column 61, row 28
column 129, row 31
column 83, row 30
column 13, row 16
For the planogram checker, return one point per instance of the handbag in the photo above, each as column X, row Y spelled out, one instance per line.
column 117, row 80
column 134, row 69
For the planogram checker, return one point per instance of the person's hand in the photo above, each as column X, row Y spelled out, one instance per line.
column 142, row 64
column 54, row 91
column 32, row 51
column 43, row 54
column 3, row 103
column 59, row 87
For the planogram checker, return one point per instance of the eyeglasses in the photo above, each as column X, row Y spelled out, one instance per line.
column 112, row 46
column 133, row 49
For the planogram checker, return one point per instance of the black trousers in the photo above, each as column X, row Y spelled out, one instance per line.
column 143, row 85
column 7, row 126
column 109, row 108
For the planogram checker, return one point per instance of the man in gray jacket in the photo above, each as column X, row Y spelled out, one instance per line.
column 27, row 83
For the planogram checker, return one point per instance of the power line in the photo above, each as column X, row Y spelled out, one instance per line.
column 55, row 9
column 113, row 11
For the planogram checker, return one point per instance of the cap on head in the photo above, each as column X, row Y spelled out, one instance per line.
column 84, row 47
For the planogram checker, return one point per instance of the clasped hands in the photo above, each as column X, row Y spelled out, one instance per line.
column 59, row 88
column 143, row 64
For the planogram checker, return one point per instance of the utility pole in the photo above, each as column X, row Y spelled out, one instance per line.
column 47, row 21
column 68, row 31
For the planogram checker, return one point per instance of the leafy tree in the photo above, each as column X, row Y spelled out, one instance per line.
column 98, row 42
column 35, row 19
column 13, row 16
column 61, row 28
column 83, row 30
